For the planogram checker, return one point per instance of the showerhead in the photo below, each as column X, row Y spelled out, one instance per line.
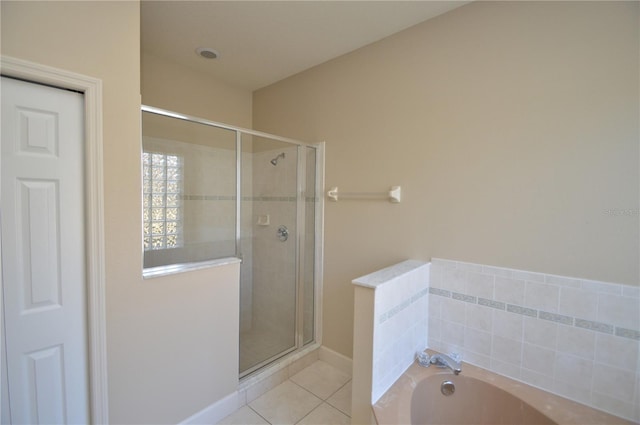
column 274, row 161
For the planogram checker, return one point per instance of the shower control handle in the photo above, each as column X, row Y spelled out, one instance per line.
column 283, row 233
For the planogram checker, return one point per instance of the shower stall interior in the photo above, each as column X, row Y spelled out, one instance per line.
column 213, row 191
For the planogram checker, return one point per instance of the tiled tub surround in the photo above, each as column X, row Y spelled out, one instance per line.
column 576, row 338
column 397, row 300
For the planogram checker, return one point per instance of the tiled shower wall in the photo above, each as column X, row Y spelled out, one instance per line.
column 208, row 202
column 274, row 195
column 274, row 267
column 576, row 338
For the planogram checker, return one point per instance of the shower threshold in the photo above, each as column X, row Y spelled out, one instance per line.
column 276, row 364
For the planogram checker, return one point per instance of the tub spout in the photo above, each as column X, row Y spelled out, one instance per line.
column 442, row 360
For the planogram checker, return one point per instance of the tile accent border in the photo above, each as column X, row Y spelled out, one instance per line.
column 244, row 198
column 526, row 311
column 383, row 317
column 573, row 337
column 628, row 333
column 540, row 314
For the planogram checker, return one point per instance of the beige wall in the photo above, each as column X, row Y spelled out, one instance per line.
column 511, row 126
column 166, row 361
column 174, row 87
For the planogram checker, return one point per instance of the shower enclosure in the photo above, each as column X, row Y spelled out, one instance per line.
column 238, row 193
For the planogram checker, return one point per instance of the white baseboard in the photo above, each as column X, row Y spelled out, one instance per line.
column 335, row 359
column 224, row 407
column 215, row 412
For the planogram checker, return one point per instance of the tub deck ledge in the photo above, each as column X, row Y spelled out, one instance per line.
column 394, row 407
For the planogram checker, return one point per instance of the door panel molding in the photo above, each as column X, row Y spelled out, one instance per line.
column 94, row 220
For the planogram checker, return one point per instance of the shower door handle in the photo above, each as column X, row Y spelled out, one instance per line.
column 283, row 233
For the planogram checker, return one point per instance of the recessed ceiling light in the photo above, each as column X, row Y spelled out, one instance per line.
column 207, row 52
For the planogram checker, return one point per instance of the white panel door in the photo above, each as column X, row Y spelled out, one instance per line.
column 43, row 260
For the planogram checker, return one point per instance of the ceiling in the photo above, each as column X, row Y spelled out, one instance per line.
column 261, row 42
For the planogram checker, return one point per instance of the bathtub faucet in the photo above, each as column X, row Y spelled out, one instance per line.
column 442, row 360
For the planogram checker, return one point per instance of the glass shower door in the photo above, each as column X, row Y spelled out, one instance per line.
column 268, row 245
column 215, row 191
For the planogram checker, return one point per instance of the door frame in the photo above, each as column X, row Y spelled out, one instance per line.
column 94, row 218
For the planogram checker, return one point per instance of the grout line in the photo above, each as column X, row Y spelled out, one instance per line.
column 339, row 388
column 336, row 407
column 322, row 401
column 265, row 419
column 312, row 410
column 295, row 383
column 320, row 405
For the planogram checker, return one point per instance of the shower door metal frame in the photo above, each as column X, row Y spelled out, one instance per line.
column 300, row 226
column 301, row 191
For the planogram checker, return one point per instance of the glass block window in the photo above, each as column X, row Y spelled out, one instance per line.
column 162, row 184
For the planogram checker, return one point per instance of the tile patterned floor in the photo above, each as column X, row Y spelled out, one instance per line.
column 318, row 394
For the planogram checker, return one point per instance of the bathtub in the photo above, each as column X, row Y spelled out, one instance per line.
column 480, row 398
